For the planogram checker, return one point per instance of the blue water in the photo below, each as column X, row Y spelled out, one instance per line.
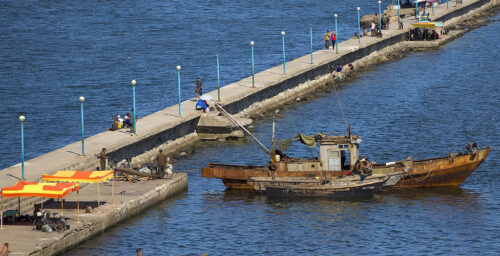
column 53, row 52
column 425, row 105
column 428, row 104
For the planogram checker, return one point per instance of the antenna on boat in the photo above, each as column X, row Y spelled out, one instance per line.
column 347, row 127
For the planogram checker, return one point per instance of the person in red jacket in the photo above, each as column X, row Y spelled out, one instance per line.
column 334, row 37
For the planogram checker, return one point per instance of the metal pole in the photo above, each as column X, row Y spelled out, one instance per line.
column 113, row 190
column 399, row 16
column 82, row 99
column 432, row 8
column 21, row 118
column 1, row 214
column 379, row 15
column 78, row 205
column 62, row 206
column 218, row 79
column 253, row 66
column 359, row 28
column 284, row 59
column 135, row 110
column 416, row 11
column 336, row 35
column 447, row 4
column 179, row 86
column 311, row 39
column 98, row 195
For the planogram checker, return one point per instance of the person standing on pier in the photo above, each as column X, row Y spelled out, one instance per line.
column 334, row 38
column 326, row 37
column 198, row 88
column 161, row 161
column 103, row 158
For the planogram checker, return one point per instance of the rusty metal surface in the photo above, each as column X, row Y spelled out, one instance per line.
column 443, row 171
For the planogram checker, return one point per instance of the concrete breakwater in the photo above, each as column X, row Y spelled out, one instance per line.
column 130, row 200
column 164, row 129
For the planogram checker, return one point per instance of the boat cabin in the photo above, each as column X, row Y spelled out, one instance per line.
column 336, row 153
column 339, row 153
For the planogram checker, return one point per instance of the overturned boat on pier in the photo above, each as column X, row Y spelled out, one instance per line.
column 339, row 156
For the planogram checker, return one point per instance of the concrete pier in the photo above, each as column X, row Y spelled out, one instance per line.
column 165, row 129
column 130, row 199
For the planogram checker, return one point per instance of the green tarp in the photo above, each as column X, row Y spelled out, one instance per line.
column 308, row 140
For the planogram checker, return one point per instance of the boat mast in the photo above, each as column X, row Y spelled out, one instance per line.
column 236, row 123
column 273, row 153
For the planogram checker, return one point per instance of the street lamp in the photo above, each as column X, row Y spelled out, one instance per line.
column 82, row 99
column 337, row 34
column 399, row 16
column 284, row 61
column 218, row 79
column 253, row 66
column 179, row 85
column 311, row 40
column 22, row 118
column 379, row 15
column 133, row 82
column 359, row 27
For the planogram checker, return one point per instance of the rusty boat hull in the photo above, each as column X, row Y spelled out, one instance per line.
column 451, row 170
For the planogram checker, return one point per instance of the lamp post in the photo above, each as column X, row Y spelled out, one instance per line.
column 337, row 34
column 432, row 4
column 447, row 4
column 379, row 15
column 311, row 40
column 359, row 27
column 179, row 85
column 133, row 82
column 253, row 66
column 284, row 61
column 218, row 79
column 399, row 16
column 82, row 99
column 22, row 118
column 416, row 11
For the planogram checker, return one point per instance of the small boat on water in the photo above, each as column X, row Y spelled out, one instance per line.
column 348, row 186
column 330, row 190
column 339, row 156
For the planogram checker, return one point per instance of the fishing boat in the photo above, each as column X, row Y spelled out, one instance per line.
column 386, row 181
column 339, row 156
column 346, row 189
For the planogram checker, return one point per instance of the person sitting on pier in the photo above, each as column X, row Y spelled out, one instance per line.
column 115, row 125
column 127, row 122
column 202, row 105
column 351, row 67
column 355, row 35
column 365, row 32
column 339, row 68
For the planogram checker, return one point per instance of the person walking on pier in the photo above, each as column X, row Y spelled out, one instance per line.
column 198, row 88
column 161, row 161
column 326, row 37
column 103, row 158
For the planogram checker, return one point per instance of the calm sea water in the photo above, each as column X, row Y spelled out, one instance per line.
column 427, row 104
column 53, row 52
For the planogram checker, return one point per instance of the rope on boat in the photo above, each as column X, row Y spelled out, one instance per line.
column 409, row 167
column 338, row 99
